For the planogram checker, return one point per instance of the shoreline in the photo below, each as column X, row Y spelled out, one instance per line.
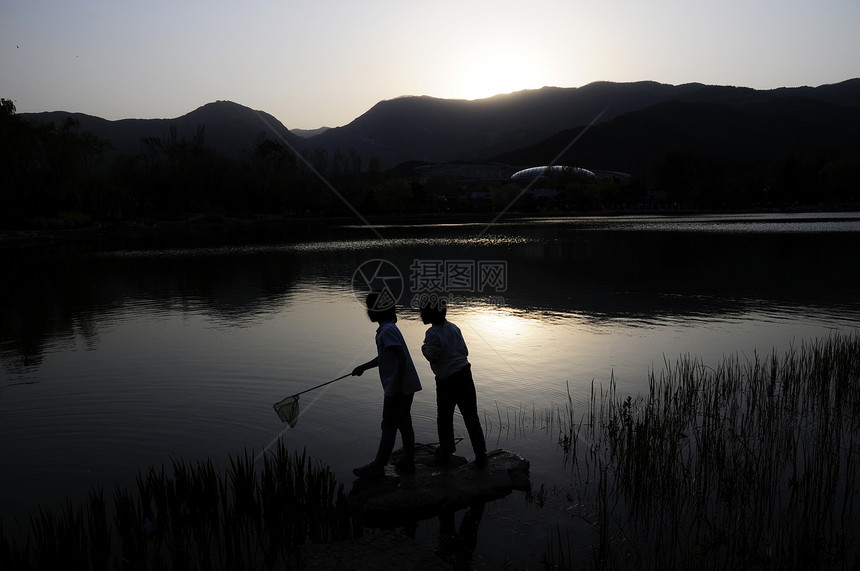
column 201, row 228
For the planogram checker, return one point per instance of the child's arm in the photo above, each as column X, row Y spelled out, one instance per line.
column 432, row 347
column 362, row 368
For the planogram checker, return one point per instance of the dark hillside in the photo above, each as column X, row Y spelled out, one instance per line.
column 440, row 130
column 760, row 131
column 693, row 145
column 845, row 93
column 230, row 128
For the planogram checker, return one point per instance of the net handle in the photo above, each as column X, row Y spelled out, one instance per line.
column 323, row 384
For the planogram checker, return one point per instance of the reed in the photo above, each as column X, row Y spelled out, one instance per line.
column 193, row 517
column 749, row 464
column 752, row 464
column 518, row 422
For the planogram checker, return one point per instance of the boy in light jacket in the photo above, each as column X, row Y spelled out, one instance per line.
column 447, row 353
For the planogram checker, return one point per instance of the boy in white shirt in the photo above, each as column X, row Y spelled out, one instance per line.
column 399, row 383
column 447, row 353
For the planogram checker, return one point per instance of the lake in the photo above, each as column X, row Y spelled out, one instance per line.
column 118, row 357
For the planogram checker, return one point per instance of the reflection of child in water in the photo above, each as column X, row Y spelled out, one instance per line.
column 457, row 545
column 399, row 383
column 446, row 351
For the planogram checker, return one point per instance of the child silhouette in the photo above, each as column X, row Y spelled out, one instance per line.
column 447, row 353
column 399, row 382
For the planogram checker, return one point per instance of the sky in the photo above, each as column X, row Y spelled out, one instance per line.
column 326, row 62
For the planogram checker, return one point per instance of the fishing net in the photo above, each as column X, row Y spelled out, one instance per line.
column 288, row 410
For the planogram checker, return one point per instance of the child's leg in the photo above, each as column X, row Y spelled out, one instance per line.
column 396, row 415
column 407, row 433
column 467, row 402
column 390, row 412
column 446, row 400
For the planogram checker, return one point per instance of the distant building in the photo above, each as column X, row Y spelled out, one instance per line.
column 532, row 173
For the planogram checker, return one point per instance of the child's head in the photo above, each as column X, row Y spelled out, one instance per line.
column 380, row 308
column 434, row 311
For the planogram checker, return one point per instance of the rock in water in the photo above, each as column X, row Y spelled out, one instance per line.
column 431, row 489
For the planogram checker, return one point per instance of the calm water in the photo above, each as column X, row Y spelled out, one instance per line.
column 113, row 360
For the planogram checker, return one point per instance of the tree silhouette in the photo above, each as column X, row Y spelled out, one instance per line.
column 46, row 171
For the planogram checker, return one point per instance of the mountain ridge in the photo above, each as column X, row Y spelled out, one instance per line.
column 436, row 130
column 473, row 130
column 638, row 140
column 230, row 127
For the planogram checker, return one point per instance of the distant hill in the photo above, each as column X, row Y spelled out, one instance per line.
column 633, row 124
column 729, row 124
column 441, row 130
column 230, row 128
column 307, row 133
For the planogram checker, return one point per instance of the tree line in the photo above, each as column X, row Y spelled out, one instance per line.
column 59, row 175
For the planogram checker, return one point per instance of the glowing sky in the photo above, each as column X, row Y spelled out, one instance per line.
column 325, row 62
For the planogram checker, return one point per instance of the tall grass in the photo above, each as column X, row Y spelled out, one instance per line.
column 752, row 464
column 749, row 465
column 192, row 517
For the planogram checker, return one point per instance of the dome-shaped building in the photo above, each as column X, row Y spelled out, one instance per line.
column 529, row 174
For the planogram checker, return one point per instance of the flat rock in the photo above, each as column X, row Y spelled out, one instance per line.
column 432, row 490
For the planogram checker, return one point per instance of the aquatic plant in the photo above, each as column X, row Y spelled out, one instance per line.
column 749, row 464
column 193, row 517
column 752, row 464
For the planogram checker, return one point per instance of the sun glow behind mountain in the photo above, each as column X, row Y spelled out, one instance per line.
column 493, row 69
column 325, row 63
